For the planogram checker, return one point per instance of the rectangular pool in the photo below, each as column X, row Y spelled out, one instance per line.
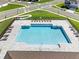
column 42, row 34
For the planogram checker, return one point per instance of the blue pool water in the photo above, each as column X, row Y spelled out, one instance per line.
column 42, row 34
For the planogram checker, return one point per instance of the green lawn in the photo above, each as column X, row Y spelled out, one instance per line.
column 43, row 1
column 9, row 7
column 75, row 24
column 4, row 25
column 62, row 5
column 40, row 14
column 77, row 9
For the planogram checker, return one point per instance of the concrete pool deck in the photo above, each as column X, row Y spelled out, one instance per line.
column 12, row 45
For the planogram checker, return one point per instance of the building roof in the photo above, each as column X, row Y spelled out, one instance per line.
column 41, row 55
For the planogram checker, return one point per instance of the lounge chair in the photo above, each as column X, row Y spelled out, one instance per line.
column 34, row 21
column 3, row 39
column 42, row 21
column 37, row 21
column 5, row 35
column 11, row 26
column 50, row 20
column 8, row 31
column 72, row 30
column 77, row 36
column 31, row 20
column 70, row 27
column 47, row 20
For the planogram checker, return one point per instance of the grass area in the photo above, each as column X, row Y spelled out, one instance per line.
column 77, row 9
column 4, row 25
column 43, row 1
column 10, row 6
column 75, row 24
column 62, row 5
column 40, row 14
column 40, row 1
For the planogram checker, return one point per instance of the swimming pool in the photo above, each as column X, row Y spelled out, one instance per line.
column 42, row 34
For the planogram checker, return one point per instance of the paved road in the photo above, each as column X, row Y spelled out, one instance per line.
column 31, row 7
column 62, row 12
column 48, row 6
